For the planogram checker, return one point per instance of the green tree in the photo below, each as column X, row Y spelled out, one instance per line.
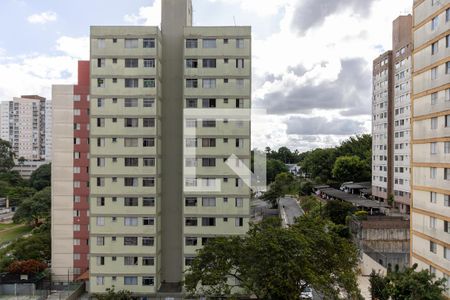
column 17, row 194
column 41, row 177
column 408, row 284
column 279, row 263
column 319, row 163
column 306, row 188
column 349, row 168
column 6, row 156
column 37, row 246
column 111, row 294
column 274, row 167
column 13, row 178
column 34, row 210
column 309, row 204
column 337, row 211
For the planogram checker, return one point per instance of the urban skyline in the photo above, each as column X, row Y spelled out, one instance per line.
column 349, row 53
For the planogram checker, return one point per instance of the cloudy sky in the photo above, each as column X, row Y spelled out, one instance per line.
column 311, row 58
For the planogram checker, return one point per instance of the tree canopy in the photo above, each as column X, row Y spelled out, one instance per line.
column 6, row 156
column 35, row 209
column 272, row 262
column 41, row 177
column 350, row 168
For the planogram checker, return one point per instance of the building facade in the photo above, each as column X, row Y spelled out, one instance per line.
column 430, row 215
column 70, row 177
column 391, row 118
column 164, row 139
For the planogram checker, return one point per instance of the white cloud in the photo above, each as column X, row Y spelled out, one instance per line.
column 148, row 15
column 75, row 47
column 263, row 8
column 42, row 18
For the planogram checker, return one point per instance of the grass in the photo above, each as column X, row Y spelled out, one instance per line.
column 13, row 233
column 6, row 226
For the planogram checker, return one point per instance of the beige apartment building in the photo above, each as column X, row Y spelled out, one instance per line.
column 169, row 115
column 430, row 216
column 391, row 118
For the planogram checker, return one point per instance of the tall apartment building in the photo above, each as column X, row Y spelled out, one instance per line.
column 70, row 177
column 23, row 124
column 168, row 108
column 430, row 231
column 48, row 131
column 391, row 118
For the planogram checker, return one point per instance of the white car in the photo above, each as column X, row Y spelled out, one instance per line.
column 307, row 293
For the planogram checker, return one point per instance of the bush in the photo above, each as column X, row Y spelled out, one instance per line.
column 30, row 266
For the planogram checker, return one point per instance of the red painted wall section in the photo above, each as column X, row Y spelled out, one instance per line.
column 82, row 207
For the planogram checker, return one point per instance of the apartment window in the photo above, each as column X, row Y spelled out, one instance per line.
column 76, row 256
column 434, row 122
column 447, row 121
column 434, row 48
column 149, row 102
column 447, row 253
column 130, row 142
column 130, row 280
column 100, row 280
column 446, row 227
column 239, row 143
column 237, row 182
column 101, row 62
column 191, row 103
column 239, row 222
column 100, row 201
column 239, row 202
column 446, row 174
column 434, row 98
column 100, row 122
column 149, row 43
column 100, row 241
column 209, row 123
column 447, row 200
column 191, row 123
column 114, row 100
column 208, row 162
column 447, row 67
column 208, row 221
column 131, row 122
column 131, row 63
column 209, row 63
column 208, row 103
column 131, row 43
column 191, row 63
column 190, row 221
column 432, row 223
column 148, row 280
column 447, row 147
column 131, row 161
column 149, row 82
column 148, row 142
column 148, row 221
column 148, row 261
column 148, row 161
column 149, row 62
column 100, row 82
column 433, row 172
column 148, row 201
column 130, row 241
column 76, row 170
column 209, row 83
column 148, row 181
column 130, row 181
column 100, row 260
column 239, row 63
column 239, row 103
column 434, row 23
column 188, row 261
column 100, row 221
column 447, row 15
column 190, row 241
column 240, row 43
column 190, row 201
column 433, row 197
column 130, row 260
column 100, row 181
column 76, row 227
column 101, row 161
column 239, row 83
column 131, row 201
column 191, row 43
column 433, row 149
column 208, row 142
column 131, row 82
column 76, row 184
column 192, row 83
column 208, row 201
column 191, row 142
column 148, row 241
column 100, row 43
column 130, row 221
column 131, row 102
column 433, row 247
column 149, row 122
column 114, row 60
column 225, row 60
column 209, row 43
column 434, row 73
column 100, row 102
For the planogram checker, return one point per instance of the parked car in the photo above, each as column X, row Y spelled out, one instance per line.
column 307, row 293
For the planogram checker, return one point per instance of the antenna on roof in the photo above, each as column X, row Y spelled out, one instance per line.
column 234, row 19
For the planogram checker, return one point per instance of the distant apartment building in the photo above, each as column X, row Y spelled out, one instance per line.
column 430, row 217
column 70, row 177
column 169, row 152
column 23, row 123
column 391, row 118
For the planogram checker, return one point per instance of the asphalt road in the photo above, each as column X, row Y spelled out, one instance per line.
column 291, row 208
